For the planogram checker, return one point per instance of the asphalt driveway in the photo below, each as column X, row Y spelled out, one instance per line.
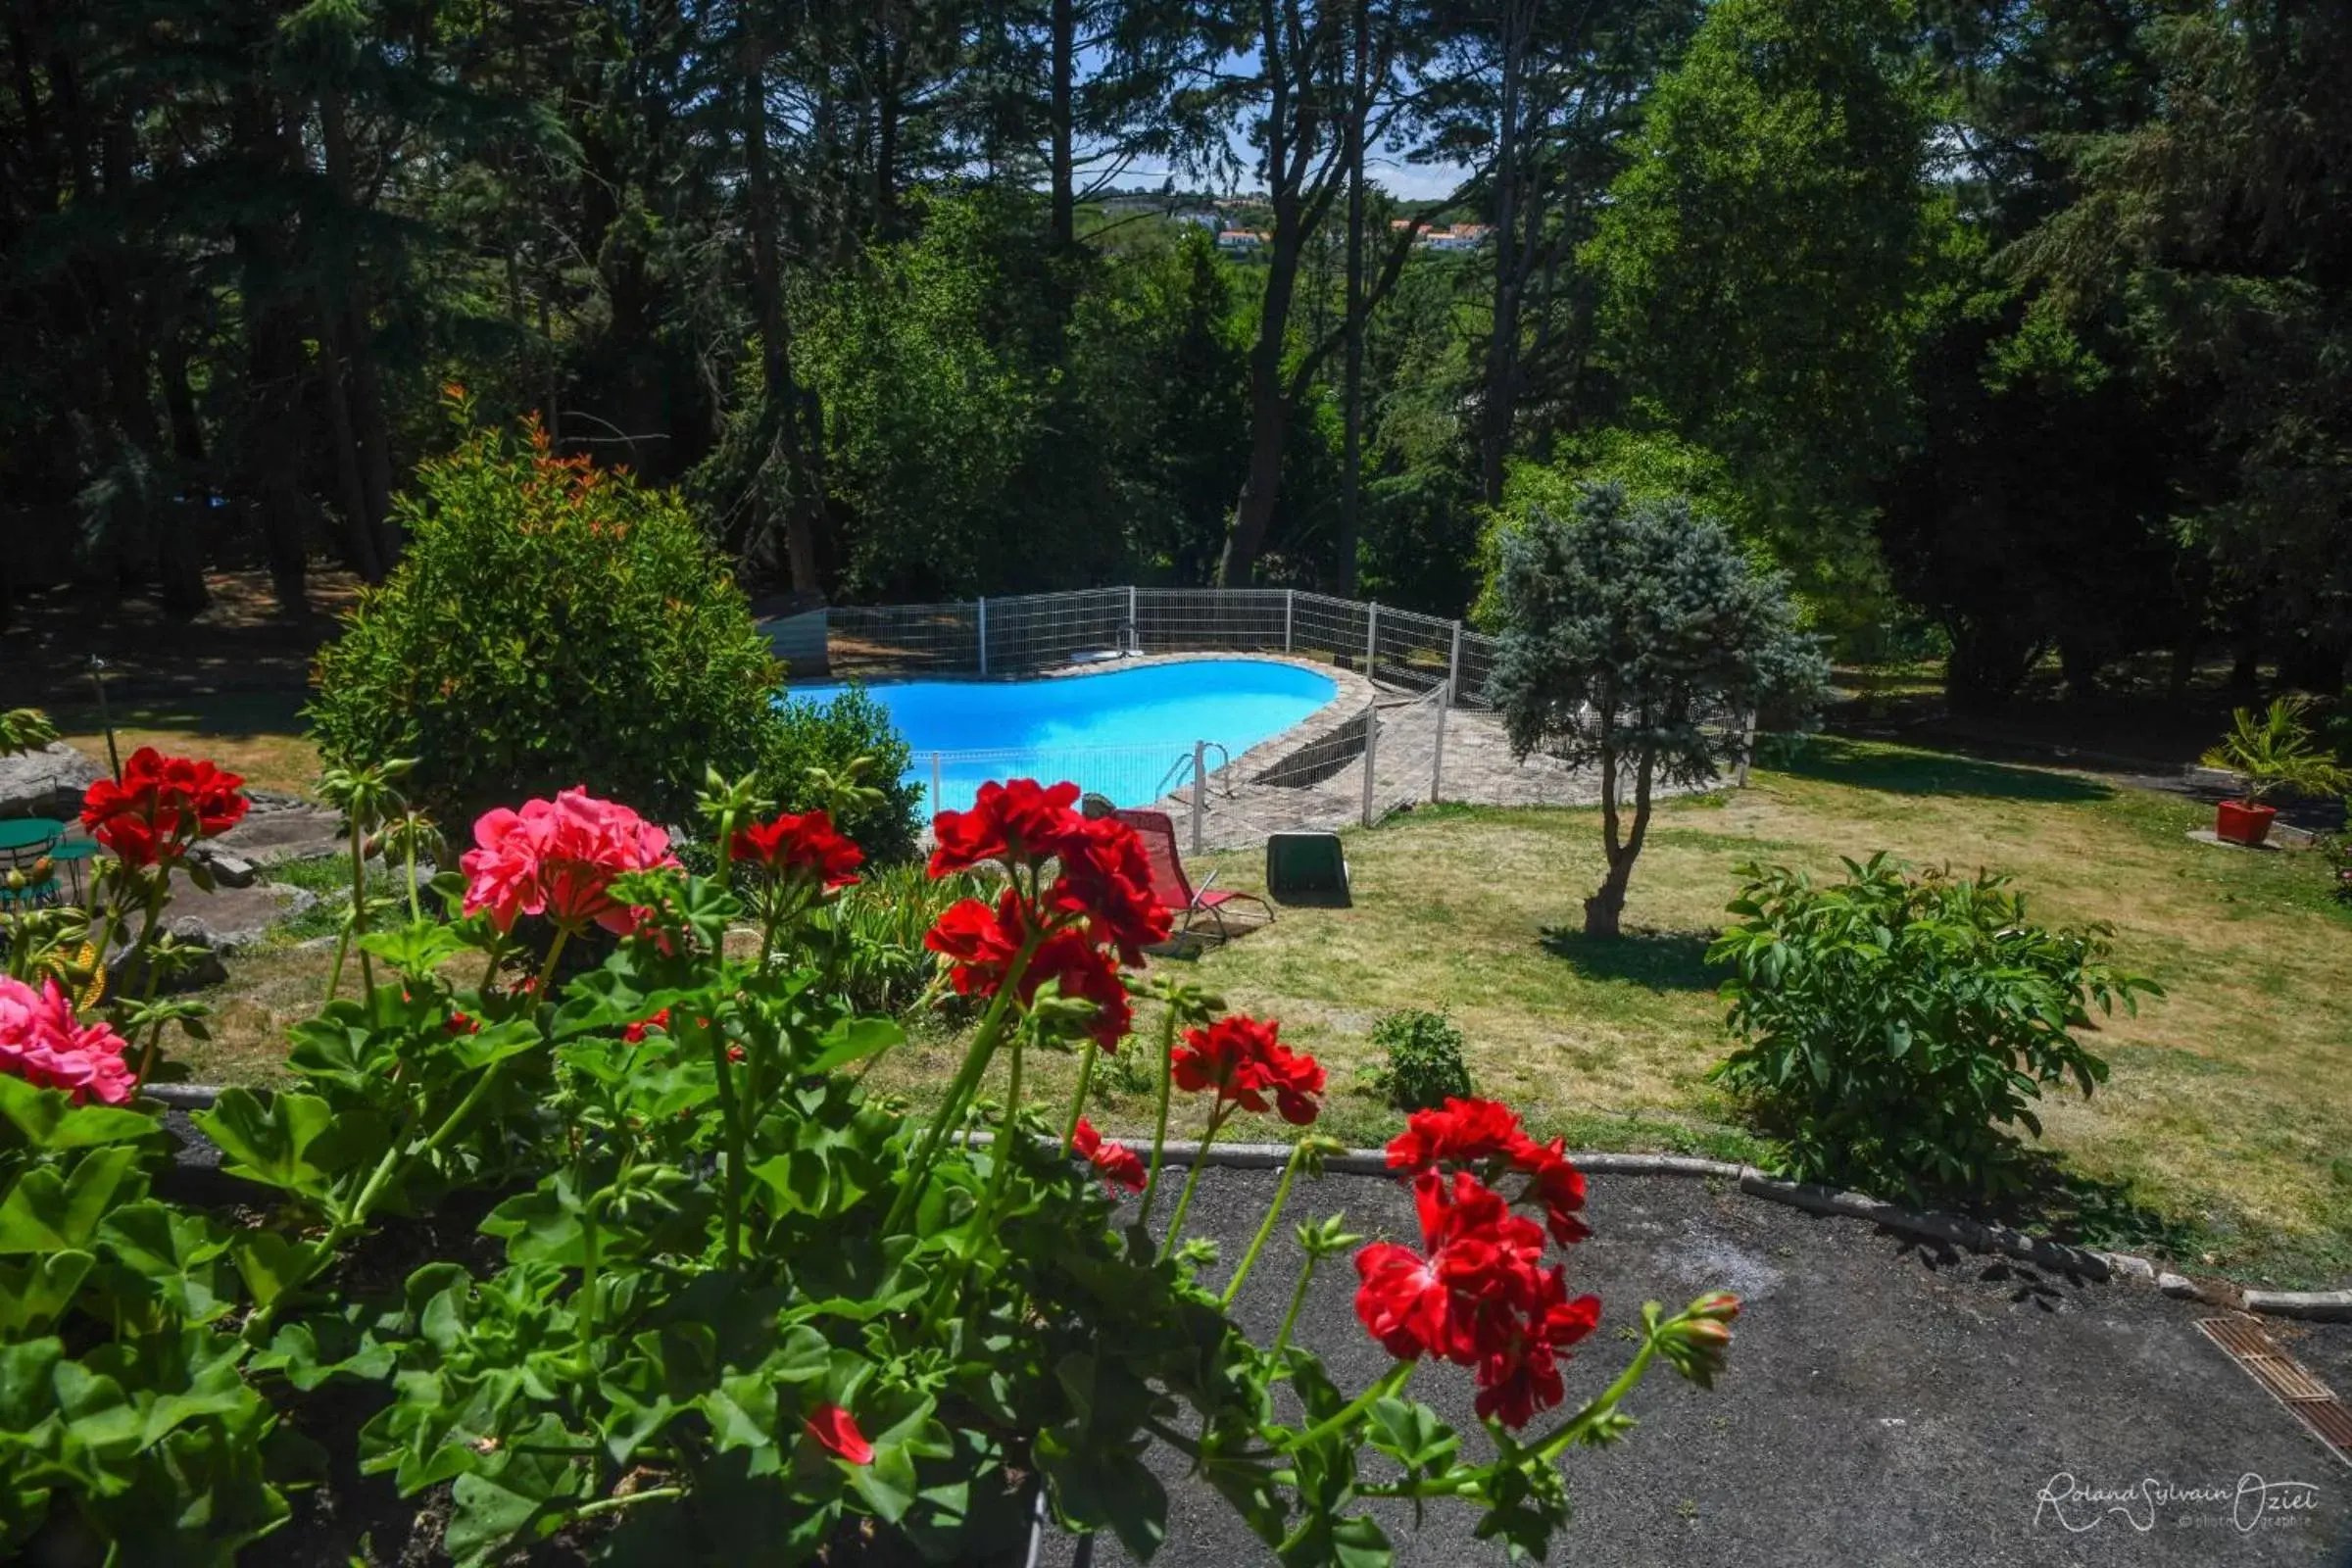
column 1886, row 1404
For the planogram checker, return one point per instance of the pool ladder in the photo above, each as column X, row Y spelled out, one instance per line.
column 1183, row 765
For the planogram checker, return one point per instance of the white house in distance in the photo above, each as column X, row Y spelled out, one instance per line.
column 1240, row 240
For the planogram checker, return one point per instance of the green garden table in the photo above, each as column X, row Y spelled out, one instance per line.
column 24, row 842
column 70, row 855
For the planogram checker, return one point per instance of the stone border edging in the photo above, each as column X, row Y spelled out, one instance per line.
column 2319, row 1306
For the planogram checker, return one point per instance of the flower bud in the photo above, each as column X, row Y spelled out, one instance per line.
column 1720, row 1305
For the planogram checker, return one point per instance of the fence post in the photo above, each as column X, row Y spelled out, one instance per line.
column 984, row 634
column 1200, row 791
column 1453, row 670
column 1747, row 750
column 1134, row 627
column 1371, row 751
column 1436, row 749
column 936, row 806
column 1371, row 643
column 1290, row 613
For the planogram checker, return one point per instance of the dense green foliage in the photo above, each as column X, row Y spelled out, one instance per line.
column 1898, row 1027
column 1422, row 1065
column 801, row 742
column 2022, row 323
column 1636, row 638
column 550, row 624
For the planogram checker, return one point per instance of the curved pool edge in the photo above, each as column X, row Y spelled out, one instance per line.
column 1351, row 694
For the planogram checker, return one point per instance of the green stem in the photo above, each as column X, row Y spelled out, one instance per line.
column 731, row 1195
column 1086, row 1076
column 1006, row 1131
column 1383, row 1386
column 359, row 912
column 1191, row 1180
column 1257, row 1243
column 589, row 1510
column 1575, row 1427
column 334, row 976
column 959, row 1091
column 1159, row 1131
column 1290, row 1319
column 415, row 909
column 155, row 910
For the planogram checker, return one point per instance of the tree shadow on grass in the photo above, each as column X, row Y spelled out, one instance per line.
column 2068, row 1205
column 1902, row 770
column 1657, row 961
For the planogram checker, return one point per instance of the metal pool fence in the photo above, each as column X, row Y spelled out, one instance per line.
column 1425, row 735
column 1027, row 631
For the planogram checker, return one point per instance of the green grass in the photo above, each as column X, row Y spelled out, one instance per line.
column 2221, row 1141
column 2230, row 1098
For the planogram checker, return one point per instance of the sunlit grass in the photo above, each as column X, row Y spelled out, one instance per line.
column 2229, row 1112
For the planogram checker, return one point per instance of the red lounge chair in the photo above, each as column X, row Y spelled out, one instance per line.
column 1169, row 885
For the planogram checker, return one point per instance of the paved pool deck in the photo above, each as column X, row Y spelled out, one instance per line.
column 1886, row 1404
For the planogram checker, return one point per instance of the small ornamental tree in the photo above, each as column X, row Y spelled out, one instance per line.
column 1636, row 638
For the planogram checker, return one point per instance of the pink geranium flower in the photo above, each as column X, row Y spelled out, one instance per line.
column 42, row 1043
column 557, row 858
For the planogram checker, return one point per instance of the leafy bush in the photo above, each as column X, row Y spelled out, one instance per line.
column 1424, row 1059
column 2338, row 847
column 827, row 737
column 550, row 624
column 1895, row 1026
column 878, row 960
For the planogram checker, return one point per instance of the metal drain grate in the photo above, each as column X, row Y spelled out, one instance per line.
column 2286, row 1379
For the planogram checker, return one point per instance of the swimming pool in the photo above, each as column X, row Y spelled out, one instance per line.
column 1117, row 733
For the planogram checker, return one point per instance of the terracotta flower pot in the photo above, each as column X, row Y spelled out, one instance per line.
column 2240, row 823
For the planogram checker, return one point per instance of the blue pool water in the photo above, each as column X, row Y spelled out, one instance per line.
column 1117, row 732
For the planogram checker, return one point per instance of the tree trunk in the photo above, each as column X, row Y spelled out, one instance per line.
column 179, row 552
column 1351, row 474
column 359, row 529
column 1269, row 429
column 1502, row 342
column 782, row 397
column 1065, row 180
column 1605, row 908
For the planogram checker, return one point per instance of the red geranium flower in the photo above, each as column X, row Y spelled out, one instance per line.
column 1242, row 1059
column 634, row 1033
column 1476, row 1295
column 1107, row 879
column 1118, row 1165
column 1486, row 1134
column 162, row 806
column 557, row 858
column 802, row 846
column 980, row 945
column 837, row 1430
column 1019, row 821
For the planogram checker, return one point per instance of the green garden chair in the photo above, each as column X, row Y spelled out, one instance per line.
column 1306, row 869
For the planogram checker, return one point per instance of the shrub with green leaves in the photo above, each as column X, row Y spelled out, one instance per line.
column 1423, row 1060
column 807, row 740
column 550, row 624
column 1894, row 1027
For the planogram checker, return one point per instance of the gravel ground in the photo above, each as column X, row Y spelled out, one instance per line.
column 1886, row 1404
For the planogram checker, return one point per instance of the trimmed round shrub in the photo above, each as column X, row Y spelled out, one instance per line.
column 550, row 623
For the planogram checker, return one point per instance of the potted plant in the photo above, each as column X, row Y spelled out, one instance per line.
column 2275, row 755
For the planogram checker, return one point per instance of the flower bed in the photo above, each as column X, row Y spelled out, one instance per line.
column 720, row 1301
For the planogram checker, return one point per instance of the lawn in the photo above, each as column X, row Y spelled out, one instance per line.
column 2225, row 1136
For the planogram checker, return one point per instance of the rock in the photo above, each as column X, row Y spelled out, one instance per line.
column 230, row 869
column 47, row 783
column 230, row 917
column 284, row 830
